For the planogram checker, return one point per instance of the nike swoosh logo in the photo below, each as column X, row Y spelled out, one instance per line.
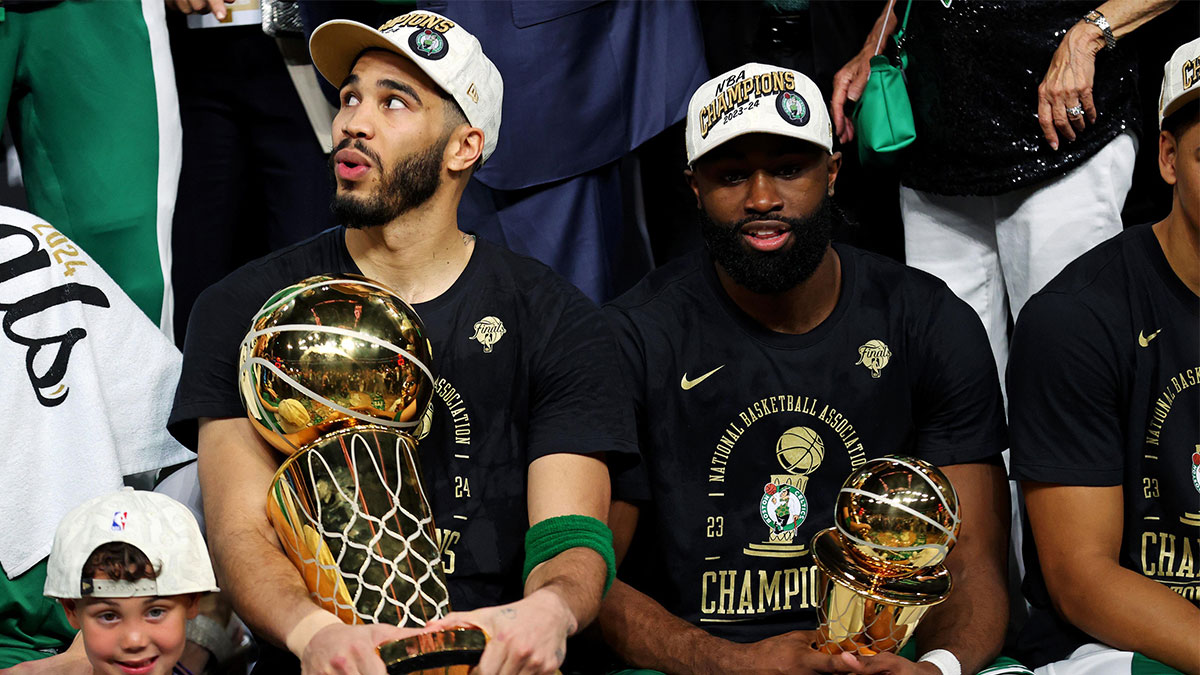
column 1144, row 340
column 686, row 384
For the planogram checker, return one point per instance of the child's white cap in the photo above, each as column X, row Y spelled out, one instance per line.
column 160, row 527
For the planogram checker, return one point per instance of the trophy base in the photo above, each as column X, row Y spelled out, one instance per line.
column 447, row 651
column 864, row 613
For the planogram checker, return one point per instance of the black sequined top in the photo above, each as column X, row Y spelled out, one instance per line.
column 973, row 73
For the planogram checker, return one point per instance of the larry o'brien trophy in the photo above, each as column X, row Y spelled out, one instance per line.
column 335, row 373
column 880, row 567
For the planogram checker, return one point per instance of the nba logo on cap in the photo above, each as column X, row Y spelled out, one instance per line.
column 118, row 521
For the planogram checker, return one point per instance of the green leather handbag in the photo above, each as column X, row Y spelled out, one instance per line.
column 883, row 119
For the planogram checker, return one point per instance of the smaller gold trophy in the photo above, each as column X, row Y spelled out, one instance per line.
column 336, row 374
column 880, row 567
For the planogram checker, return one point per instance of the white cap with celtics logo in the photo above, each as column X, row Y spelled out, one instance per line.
column 1181, row 80
column 756, row 99
column 445, row 51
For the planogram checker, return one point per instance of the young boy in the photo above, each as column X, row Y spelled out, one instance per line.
column 129, row 568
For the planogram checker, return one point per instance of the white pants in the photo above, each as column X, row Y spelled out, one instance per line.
column 995, row 252
column 1098, row 659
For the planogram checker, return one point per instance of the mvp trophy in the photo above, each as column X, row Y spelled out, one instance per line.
column 880, row 568
column 335, row 373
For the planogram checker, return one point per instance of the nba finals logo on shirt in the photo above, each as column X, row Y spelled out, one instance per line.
column 118, row 521
column 792, row 108
column 783, row 506
column 875, row 356
column 488, row 332
column 740, row 93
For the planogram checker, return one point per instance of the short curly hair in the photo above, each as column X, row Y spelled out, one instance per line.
column 118, row 561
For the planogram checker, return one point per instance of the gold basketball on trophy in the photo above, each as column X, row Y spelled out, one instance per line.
column 899, row 515
column 880, row 567
column 330, row 353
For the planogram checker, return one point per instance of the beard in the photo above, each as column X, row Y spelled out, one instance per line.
column 770, row 272
column 408, row 185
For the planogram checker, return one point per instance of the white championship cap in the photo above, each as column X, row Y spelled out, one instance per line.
column 1181, row 80
column 160, row 527
column 445, row 51
column 756, row 98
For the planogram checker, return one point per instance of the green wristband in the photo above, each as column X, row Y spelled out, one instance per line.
column 552, row 536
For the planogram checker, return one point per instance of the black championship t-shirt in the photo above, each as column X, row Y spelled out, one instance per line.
column 747, row 434
column 542, row 380
column 1104, row 389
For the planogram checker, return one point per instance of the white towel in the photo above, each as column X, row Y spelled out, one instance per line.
column 88, row 382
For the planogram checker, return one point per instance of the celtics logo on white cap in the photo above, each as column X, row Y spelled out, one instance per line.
column 428, row 43
column 792, row 108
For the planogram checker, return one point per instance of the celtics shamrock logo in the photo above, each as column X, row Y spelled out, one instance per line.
column 1196, row 468
column 792, row 108
column 428, row 43
column 782, row 507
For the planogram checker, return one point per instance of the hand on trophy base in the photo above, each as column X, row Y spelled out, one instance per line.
column 530, row 633
column 791, row 653
column 352, row 648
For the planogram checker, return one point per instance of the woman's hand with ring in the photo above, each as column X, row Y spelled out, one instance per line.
column 1065, row 104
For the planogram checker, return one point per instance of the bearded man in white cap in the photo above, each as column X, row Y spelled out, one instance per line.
column 528, row 396
column 774, row 338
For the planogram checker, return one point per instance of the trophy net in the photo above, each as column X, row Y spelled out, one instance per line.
column 353, row 517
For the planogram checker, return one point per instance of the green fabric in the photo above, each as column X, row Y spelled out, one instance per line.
column 1144, row 665
column 31, row 626
column 883, row 118
column 85, row 122
column 552, row 536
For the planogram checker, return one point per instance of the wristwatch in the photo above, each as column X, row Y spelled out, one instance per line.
column 1097, row 19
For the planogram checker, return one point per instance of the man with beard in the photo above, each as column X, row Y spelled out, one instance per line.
column 527, row 400
column 763, row 371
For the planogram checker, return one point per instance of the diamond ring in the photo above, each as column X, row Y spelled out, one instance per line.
column 1076, row 111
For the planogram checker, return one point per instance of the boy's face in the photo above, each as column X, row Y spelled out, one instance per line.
column 133, row 636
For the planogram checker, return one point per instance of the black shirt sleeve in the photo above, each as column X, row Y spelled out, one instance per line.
column 957, row 402
column 208, row 382
column 578, row 404
column 633, row 483
column 1063, row 396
